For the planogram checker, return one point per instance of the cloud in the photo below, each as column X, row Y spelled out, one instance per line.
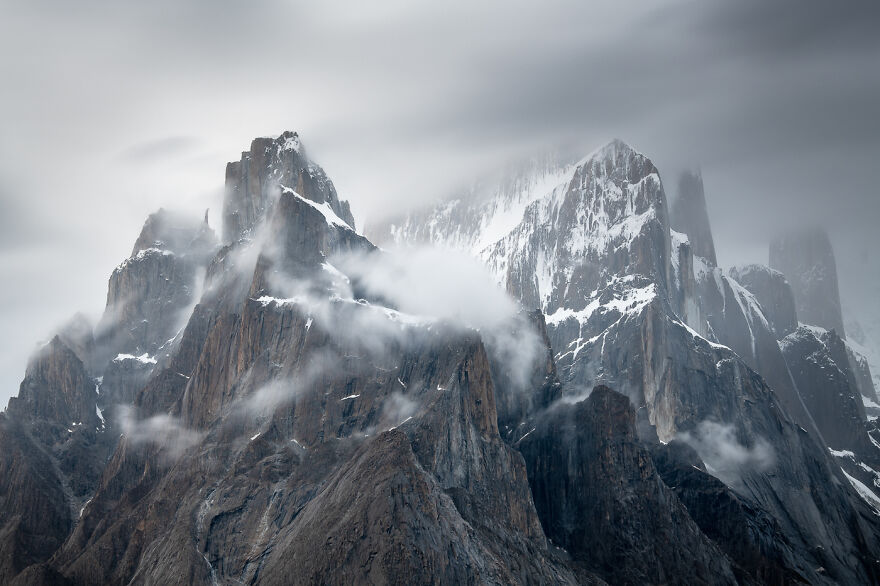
column 163, row 431
column 159, row 149
column 285, row 389
column 436, row 282
column 724, row 455
column 775, row 100
column 398, row 408
column 448, row 285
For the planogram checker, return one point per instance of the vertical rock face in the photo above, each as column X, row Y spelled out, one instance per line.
column 297, row 429
column 862, row 371
column 807, row 261
column 630, row 305
column 601, row 499
column 826, row 385
column 689, row 215
column 820, row 364
column 750, row 537
column 684, row 293
column 609, row 220
column 253, row 184
column 330, row 440
column 516, row 402
column 738, row 320
column 149, row 294
column 56, row 388
column 773, row 292
column 35, row 515
column 53, row 444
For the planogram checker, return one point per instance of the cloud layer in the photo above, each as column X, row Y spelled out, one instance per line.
column 119, row 109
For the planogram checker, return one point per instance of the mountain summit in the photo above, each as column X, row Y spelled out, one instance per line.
column 269, row 408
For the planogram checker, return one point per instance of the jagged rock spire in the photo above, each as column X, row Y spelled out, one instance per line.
column 254, row 183
column 689, row 215
column 806, row 258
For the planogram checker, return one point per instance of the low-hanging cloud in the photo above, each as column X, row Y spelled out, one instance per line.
column 398, row 115
column 450, row 285
column 437, row 282
column 724, row 455
column 163, row 430
column 285, row 389
column 398, row 409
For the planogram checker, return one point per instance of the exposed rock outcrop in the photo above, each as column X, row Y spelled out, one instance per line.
column 284, row 424
column 601, row 499
column 254, row 183
column 773, row 293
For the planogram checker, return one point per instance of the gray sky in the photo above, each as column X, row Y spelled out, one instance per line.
column 112, row 109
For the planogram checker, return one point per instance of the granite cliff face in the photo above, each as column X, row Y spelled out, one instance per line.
column 601, row 499
column 773, row 293
column 628, row 304
column 254, row 182
column 821, row 367
column 252, row 411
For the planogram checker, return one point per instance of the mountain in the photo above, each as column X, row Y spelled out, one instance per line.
column 629, row 305
column 253, row 184
column 806, row 258
column 773, row 292
column 259, row 408
column 690, row 216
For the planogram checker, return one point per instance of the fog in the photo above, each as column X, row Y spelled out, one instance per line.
column 724, row 455
column 113, row 110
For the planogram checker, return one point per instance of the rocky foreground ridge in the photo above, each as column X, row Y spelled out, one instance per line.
column 259, row 408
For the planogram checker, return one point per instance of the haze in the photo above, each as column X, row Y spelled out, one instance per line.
column 112, row 110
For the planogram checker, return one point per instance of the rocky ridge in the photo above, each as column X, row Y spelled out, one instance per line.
column 295, row 426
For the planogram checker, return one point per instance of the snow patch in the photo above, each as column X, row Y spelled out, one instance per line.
column 325, row 209
column 143, row 358
column 866, row 493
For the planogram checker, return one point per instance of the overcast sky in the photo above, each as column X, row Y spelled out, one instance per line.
column 112, row 109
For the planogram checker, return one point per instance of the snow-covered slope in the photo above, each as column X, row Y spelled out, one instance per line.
column 624, row 300
column 480, row 215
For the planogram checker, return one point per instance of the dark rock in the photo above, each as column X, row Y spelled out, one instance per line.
column 748, row 535
column 254, row 183
column 35, row 510
column 56, row 388
column 773, row 293
column 600, row 498
column 518, row 402
column 820, row 367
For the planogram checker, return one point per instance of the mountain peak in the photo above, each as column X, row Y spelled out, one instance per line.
column 806, row 258
column 613, row 150
column 253, row 183
column 290, row 141
column 690, row 215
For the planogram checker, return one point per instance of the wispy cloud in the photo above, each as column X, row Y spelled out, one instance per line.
column 165, row 431
column 725, row 456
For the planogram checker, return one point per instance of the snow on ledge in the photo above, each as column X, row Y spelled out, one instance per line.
column 141, row 255
column 632, row 302
column 866, row 493
column 143, row 358
column 325, row 209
